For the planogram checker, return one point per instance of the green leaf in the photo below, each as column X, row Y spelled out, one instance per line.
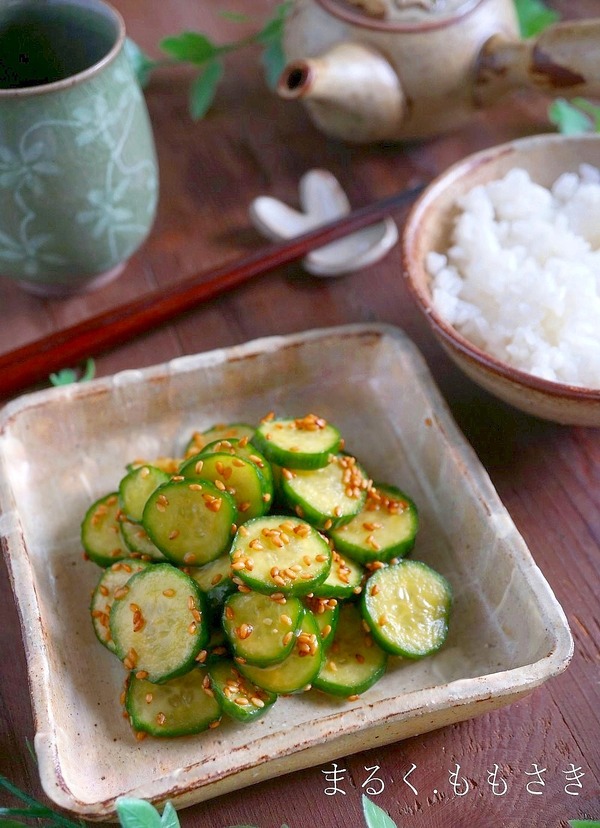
column 203, row 90
column 169, row 818
column 11, row 823
column 137, row 813
column 32, row 812
column 534, row 16
column 190, row 47
column 584, row 823
column 273, row 60
column 569, row 119
column 66, row 376
column 273, row 28
column 376, row 817
column 141, row 64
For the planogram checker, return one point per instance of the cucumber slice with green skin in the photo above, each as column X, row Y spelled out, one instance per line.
column 221, row 431
column 276, row 553
column 179, row 707
column 354, row 662
column 261, row 631
column 241, row 478
column 344, row 580
column 190, row 521
column 136, row 487
column 101, row 533
column 238, row 697
column 407, row 606
column 384, row 529
column 245, row 449
column 111, row 581
column 215, row 579
column 137, row 540
column 158, row 623
column 327, row 613
column 330, row 496
column 297, row 672
column 297, row 443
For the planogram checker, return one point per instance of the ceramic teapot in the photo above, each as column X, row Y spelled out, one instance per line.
column 388, row 70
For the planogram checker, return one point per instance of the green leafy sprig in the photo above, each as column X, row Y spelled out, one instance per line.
column 208, row 57
column 66, row 376
column 534, row 16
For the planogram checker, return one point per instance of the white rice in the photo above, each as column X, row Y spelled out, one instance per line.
column 522, row 277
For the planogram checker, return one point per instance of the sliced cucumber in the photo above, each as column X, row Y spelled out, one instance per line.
column 137, row 540
column 158, row 623
column 179, row 707
column 190, row 521
column 136, row 487
column 260, row 630
column 385, row 528
column 354, row 661
column 244, row 449
column 222, row 431
column 234, row 474
column 215, row 579
column 297, row 443
column 101, row 532
column 280, row 554
column 239, row 698
column 111, row 581
column 407, row 606
column 344, row 580
column 298, row 670
column 329, row 496
column 327, row 613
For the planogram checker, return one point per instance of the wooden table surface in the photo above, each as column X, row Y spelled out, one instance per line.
column 547, row 475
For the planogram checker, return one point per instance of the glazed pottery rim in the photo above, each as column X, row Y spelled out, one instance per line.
column 84, row 74
column 420, row 292
column 354, row 17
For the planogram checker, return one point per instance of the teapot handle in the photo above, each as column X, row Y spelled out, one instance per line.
column 563, row 60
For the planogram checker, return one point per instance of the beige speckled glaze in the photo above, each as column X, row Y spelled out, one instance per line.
column 387, row 70
column 508, row 633
column 428, row 228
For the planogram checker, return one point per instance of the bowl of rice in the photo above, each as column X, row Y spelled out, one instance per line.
column 502, row 254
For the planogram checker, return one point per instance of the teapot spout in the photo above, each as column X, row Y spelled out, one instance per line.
column 351, row 92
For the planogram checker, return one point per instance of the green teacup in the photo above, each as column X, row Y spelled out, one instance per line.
column 78, row 172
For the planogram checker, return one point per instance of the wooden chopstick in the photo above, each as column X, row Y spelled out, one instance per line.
column 35, row 361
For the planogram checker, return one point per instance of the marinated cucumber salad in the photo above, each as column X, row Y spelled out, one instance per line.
column 262, row 563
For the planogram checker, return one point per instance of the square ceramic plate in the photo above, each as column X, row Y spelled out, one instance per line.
column 62, row 448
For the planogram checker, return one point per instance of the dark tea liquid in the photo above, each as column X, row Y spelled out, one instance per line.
column 42, row 43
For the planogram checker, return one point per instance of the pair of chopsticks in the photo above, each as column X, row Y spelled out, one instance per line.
column 35, row 361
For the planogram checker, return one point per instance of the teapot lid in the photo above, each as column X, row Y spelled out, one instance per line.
column 399, row 14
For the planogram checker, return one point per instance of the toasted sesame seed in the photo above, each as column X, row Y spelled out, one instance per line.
column 168, row 593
